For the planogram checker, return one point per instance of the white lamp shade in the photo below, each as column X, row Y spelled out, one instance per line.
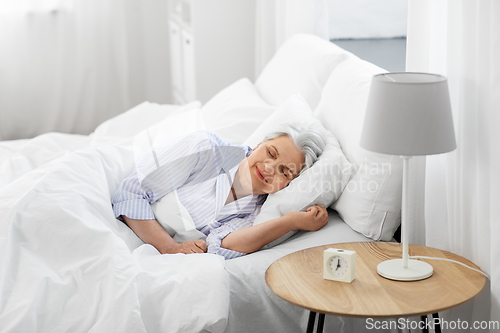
column 408, row 114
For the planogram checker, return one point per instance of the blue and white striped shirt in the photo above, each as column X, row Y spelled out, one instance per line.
column 201, row 167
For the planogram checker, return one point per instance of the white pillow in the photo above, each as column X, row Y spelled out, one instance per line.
column 135, row 120
column 321, row 184
column 236, row 111
column 301, row 65
column 371, row 202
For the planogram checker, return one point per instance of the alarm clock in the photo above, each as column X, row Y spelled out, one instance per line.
column 339, row 265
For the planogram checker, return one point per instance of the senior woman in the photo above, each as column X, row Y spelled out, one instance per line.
column 223, row 187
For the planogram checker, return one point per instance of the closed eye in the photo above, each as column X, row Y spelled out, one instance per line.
column 287, row 173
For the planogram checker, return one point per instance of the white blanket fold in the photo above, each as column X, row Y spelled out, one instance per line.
column 67, row 265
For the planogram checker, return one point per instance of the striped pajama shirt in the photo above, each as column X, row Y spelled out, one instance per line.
column 201, row 167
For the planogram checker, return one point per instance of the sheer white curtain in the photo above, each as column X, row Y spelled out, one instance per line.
column 461, row 39
column 277, row 20
column 68, row 65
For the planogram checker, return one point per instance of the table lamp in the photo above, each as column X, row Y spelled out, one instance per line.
column 408, row 114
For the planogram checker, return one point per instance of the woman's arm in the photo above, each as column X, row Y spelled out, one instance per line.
column 151, row 232
column 251, row 239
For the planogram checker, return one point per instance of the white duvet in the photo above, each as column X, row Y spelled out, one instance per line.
column 67, row 265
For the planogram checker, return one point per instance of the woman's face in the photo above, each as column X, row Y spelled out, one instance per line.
column 273, row 164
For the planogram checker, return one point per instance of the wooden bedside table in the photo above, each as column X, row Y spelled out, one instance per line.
column 298, row 279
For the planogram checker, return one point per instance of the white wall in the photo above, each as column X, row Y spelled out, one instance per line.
column 367, row 18
column 149, row 52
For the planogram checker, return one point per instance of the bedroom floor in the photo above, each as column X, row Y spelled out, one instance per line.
column 387, row 53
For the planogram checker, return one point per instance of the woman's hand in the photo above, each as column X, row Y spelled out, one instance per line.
column 189, row 247
column 314, row 218
column 151, row 232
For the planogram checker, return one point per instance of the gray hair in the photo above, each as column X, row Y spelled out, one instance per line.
column 311, row 141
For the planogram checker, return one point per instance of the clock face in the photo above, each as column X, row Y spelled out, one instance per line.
column 338, row 266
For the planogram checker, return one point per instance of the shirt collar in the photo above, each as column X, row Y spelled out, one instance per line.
column 244, row 205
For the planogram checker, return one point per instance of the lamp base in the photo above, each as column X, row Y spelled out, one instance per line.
column 394, row 270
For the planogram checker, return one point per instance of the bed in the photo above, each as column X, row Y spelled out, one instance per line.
column 68, row 265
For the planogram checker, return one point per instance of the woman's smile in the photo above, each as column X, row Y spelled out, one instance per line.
column 260, row 175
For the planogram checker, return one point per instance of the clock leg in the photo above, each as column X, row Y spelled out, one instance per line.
column 310, row 323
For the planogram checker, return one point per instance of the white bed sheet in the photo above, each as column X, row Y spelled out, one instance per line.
column 67, row 265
